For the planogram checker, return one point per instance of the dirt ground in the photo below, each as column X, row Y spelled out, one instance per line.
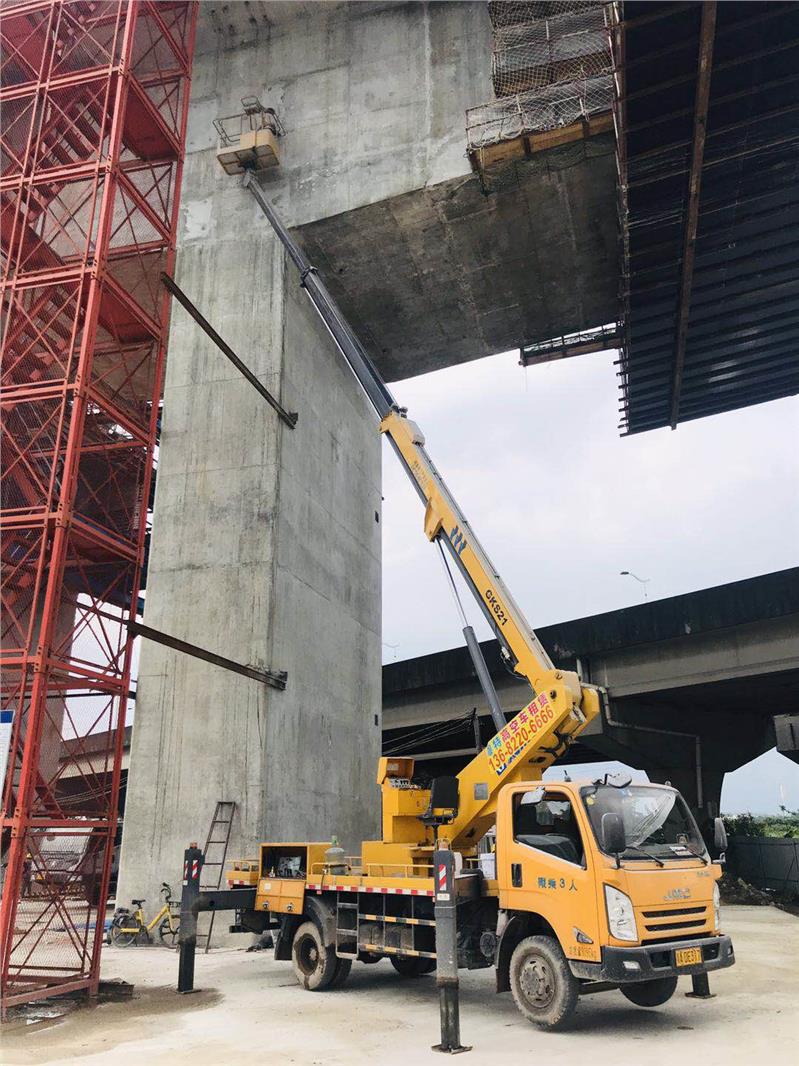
column 250, row 1009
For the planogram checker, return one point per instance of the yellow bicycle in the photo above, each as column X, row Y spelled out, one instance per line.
column 130, row 927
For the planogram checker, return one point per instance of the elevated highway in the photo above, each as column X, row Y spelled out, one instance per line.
column 697, row 685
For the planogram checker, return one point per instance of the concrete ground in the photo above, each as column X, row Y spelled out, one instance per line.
column 250, row 1009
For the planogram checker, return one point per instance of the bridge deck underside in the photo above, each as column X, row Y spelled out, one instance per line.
column 711, row 276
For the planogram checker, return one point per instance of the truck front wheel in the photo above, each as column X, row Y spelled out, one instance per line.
column 650, row 993
column 544, row 988
column 314, row 964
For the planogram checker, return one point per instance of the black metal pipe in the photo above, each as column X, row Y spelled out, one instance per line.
column 328, row 310
column 475, row 651
column 192, row 902
column 486, row 683
column 224, row 899
column 700, row 987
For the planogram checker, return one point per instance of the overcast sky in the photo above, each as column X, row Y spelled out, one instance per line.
column 562, row 503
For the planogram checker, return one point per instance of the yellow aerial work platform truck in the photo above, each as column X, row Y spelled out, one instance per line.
column 564, row 888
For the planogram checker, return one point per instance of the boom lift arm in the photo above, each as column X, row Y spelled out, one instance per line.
column 562, row 706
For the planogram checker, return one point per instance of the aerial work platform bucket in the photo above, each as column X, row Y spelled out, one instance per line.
column 248, row 140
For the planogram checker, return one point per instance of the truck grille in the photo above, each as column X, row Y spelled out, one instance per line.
column 674, row 922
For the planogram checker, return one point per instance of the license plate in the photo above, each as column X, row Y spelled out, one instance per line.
column 688, row 957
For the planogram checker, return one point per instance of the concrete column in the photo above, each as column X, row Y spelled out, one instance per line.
column 786, row 734
column 266, row 549
column 684, row 777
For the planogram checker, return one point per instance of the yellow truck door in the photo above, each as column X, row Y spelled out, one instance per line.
column 544, row 866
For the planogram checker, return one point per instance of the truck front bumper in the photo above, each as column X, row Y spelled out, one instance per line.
column 623, row 965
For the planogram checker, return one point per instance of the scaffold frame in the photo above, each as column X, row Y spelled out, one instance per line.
column 95, row 102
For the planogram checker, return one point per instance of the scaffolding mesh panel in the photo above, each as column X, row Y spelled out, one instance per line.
column 551, row 66
column 543, row 109
column 533, row 52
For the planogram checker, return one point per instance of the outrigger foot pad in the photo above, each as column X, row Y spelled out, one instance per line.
column 700, row 987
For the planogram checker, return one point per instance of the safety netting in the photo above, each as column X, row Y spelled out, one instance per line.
column 551, row 66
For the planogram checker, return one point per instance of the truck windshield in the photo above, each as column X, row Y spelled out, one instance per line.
column 657, row 821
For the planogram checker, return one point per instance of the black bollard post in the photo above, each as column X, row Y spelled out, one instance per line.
column 447, row 950
column 187, row 937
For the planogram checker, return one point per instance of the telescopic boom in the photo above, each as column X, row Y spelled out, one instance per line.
column 445, row 523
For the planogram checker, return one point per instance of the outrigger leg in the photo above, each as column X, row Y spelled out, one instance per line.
column 187, row 937
column 447, row 951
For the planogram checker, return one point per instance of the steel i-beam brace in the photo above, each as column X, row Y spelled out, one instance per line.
column 289, row 417
column 274, row 678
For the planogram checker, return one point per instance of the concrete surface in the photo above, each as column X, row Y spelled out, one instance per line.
column 447, row 273
column 374, row 172
column 266, row 549
column 250, row 1009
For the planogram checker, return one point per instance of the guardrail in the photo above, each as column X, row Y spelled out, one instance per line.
column 767, row 862
column 356, row 868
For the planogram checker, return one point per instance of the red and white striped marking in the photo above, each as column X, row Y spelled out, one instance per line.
column 442, row 878
column 195, row 869
column 371, row 888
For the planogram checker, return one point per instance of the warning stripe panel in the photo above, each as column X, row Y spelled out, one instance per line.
column 398, row 920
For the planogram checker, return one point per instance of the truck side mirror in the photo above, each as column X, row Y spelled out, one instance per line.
column 613, row 838
column 720, row 835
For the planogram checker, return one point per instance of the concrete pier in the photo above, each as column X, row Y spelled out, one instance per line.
column 266, row 549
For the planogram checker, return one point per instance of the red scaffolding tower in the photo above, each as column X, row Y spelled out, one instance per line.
column 94, row 100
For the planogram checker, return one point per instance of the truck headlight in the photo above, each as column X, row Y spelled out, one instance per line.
column 716, row 907
column 621, row 917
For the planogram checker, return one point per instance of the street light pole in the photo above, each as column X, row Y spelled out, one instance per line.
column 643, row 581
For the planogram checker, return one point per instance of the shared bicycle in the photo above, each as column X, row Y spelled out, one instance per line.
column 130, row 926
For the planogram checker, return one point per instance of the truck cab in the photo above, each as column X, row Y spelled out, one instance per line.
column 602, row 884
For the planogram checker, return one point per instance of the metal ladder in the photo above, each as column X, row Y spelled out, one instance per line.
column 346, row 932
column 218, row 838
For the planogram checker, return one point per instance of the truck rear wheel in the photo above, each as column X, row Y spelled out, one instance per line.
column 650, row 993
column 409, row 966
column 314, row 964
column 544, row 988
column 342, row 972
